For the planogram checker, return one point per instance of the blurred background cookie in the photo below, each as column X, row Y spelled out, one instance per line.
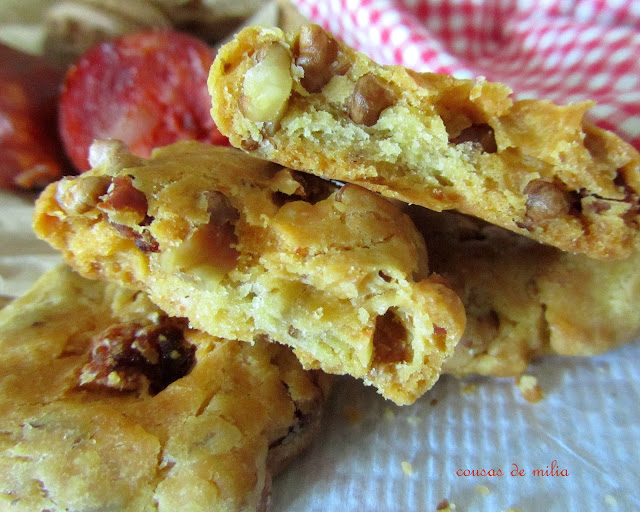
column 127, row 409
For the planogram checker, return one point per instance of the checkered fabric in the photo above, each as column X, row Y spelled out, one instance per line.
column 562, row 50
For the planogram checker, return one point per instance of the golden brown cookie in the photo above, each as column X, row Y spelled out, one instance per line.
column 307, row 101
column 106, row 403
column 524, row 299
column 249, row 250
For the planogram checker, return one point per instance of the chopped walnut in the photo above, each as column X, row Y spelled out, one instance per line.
column 211, row 245
column 210, row 248
column 216, row 245
column 594, row 143
column 132, row 355
column 546, row 200
column 78, row 196
column 480, row 134
column 386, row 278
column 293, row 332
column 126, row 210
column 218, row 238
column 370, row 97
column 621, row 182
column 124, row 203
column 390, row 341
column 311, row 190
column 220, row 209
column 318, row 56
column 143, row 240
column 250, row 145
column 440, row 338
column 267, row 85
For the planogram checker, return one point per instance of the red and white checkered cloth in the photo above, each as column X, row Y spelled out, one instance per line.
column 562, row 50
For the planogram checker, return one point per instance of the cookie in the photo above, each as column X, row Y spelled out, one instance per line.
column 524, row 299
column 106, row 403
column 538, row 169
column 249, row 250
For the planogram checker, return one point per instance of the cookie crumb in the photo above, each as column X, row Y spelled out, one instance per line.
column 610, row 500
column 483, row 489
column 529, row 389
column 446, row 506
column 407, row 468
column 434, row 401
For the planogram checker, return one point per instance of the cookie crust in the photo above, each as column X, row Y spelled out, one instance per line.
column 533, row 167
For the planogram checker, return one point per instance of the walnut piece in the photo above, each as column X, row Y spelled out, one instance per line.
column 267, row 85
column 81, row 195
column 546, row 200
column 481, row 134
column 220, row 209
column 126, row 210
column 143, row 240
column 317, row 54
column 390, row 340
column 128, row 356
column 311, row 189
column 125, row 204
column 370, row 97
column 105, row 151
column 210, row 246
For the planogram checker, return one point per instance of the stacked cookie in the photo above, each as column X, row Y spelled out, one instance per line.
column 247, row 249
column 109, row 404
column 543, row 245
column 220, row 273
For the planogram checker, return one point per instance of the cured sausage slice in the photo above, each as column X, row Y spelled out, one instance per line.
column 31, row 155
column 147, row 89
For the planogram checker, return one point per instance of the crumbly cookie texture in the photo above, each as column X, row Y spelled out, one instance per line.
column 530, row 166
column 524, row 299
column 74, row 437
column 249, row 250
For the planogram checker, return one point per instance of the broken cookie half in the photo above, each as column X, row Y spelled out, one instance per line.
column 524, row 299
column 308, row 101
column 106, row 403
column 249, row 250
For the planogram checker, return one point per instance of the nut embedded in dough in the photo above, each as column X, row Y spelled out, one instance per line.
column 317, row 55
column 80, row 197
column 267, row 85
column 370, row 97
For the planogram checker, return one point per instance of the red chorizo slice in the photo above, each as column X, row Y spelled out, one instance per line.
column 148, row 89
column 31, row 155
